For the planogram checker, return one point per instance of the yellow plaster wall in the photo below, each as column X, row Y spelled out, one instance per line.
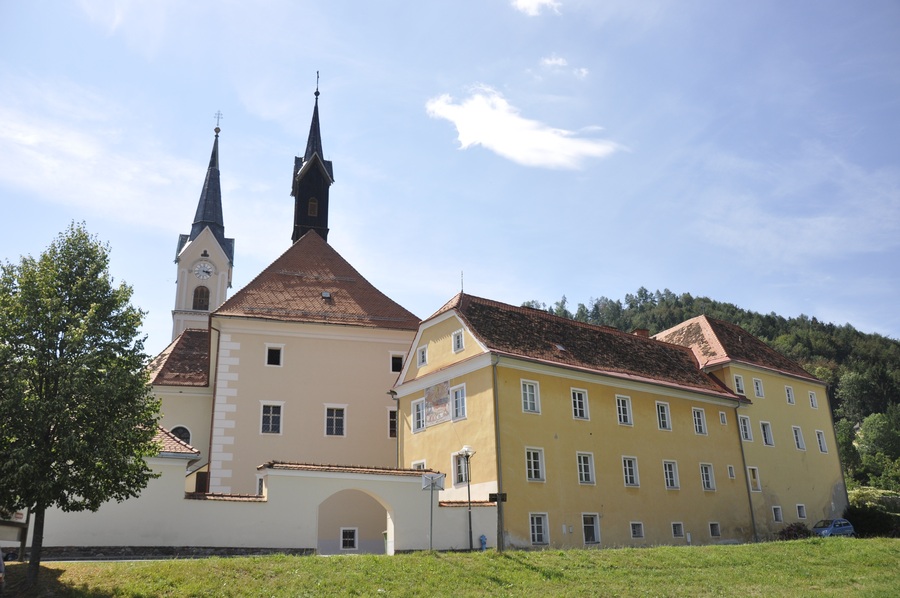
column 438, row 337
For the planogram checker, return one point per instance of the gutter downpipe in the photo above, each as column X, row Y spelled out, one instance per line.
column 495, row 359
column 737, row 420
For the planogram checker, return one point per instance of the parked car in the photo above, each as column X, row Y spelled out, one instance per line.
column 834, row 527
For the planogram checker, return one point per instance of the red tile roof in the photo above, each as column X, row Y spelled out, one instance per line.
column 286, row 465
column 171, row 444
column 537, row 335
column 311, row 282
column 185, row 362
column 716, row 342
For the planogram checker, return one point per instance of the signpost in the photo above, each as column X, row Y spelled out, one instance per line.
column 432, row 481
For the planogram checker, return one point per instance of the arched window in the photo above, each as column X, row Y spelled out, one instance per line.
column 182, row 434
column 201, row 298
column 313, row 209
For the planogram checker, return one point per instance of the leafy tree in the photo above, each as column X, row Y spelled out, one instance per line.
column 76, row 415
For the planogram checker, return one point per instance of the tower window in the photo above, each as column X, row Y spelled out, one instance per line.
column 313, row 207
column 201, row 299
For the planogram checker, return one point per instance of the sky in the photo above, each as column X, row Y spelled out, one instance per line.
column 517, row 149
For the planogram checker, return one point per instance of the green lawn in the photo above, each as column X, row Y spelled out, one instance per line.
column 831, row 567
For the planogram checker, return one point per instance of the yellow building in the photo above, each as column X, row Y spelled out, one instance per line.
column 596, row 437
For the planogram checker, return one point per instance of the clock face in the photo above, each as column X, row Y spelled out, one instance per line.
column 203, row 270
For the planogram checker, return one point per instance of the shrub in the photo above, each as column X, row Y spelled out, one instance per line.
column 870, row 520
column 794, row 531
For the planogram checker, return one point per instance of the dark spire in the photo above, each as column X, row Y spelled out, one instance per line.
column 313, row 175
column 314, row 143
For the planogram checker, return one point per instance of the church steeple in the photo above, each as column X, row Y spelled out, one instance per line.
column 313, row 176
column 209, row 208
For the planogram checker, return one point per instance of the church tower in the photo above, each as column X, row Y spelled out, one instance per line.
column 313, row 177
column 204, row 258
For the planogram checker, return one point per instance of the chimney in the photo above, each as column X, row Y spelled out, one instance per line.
column 641, row 332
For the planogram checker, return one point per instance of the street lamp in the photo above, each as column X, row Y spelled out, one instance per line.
column 467, row 453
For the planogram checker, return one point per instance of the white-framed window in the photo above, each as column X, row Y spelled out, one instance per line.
column 813, row 401
column 274, row 355
column 767, row 437
column 731, row 473
column 458, row 400
column 758, row 388
column 739, row 384
column 623, row 410
column 714, row 529
column 540, row 533
column 746, row 429
column 460, row 469
column 580, row 404
column 392, row 422
column 637, row 530
column 798, row 438
column 349, row 537
column 531, row 397
column 590, row 526
column 418, row 415
column 777, row 515
column 663, row 416
column 534, row 464
column 418, row 465
column 789, row 395
column 422, row 356
column 801, row 511
column 670, row 475
column 397, row 362
column 458, row 342
column 699, row 421
column 677, row 529
column 585, row 463
column 820, row 438
column 707, row 477
column 723, row 418
column 753, row 479
column 260, row 485
column 270, row 417
column 630, row 471
column 335, row 420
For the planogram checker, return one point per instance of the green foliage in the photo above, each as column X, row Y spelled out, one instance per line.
column 874, row 512
column 76, row 415
column 794, row 531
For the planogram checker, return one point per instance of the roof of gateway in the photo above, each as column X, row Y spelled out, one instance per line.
column 537, row 335
column 289, row 466
column 185, row 362
column 173, row 445
column 311, row 282
column 716, row 342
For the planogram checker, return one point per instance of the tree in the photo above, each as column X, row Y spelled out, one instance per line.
column 77, row 419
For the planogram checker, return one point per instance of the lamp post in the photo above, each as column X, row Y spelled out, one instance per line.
column 467, row 454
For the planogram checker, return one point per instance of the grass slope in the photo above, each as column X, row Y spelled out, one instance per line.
column 829, row 567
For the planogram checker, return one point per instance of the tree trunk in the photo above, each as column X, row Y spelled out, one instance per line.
column 37, row 544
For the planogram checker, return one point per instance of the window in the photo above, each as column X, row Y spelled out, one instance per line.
column 396, row 363
column 677, row 529
column 539, row 532
column 531, row 398
column 714, row 530
column 798, row 438
column 418, row 415
column 663, row 418
column 801, row 511
column 273, row 355
column 820, row 438
column 758, row 388
column 271, row 418
column 746, row 430
column 590, row 524
column 637, row 529
column 585, row 468
column 392, row 423
column 460, row 469
column 419, row 465
column 630, row 471
column 183, row 434
column 422, row 356
column 623, row 409
column 813, row 402
column 753, row 477
column 312, row 209
column 670, row 474
column 458, row 343
column 707, row 479
column 579, row 404
column 766, row 428
column 260, row 485
column 534, row 464
column 699, row 421
column 458, row 396
column 201, row 299
column 731, row 472
column 334, row 421
column 723, row 419
column 777, row 515
column 739, row 384
column 789, row 394
column 348, row 538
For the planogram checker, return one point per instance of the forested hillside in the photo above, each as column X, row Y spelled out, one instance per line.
column 862, row 370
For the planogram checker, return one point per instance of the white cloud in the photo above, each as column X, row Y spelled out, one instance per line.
column 554, row 61
column 533, row 8
column 485, row 118
column 581, row 73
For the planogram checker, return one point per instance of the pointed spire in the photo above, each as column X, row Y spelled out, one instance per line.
column 209, row 208
column 314, row 143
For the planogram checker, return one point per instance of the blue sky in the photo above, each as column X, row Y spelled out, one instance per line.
column 743, row 151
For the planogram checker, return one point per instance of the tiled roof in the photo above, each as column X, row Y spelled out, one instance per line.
column 185, row 362
column 537, row 335
column 169, row 443
column 224, row 497
column 715, row 342
column 311, row 282
column 286, row 465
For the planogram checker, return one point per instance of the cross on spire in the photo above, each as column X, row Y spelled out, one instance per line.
column 220, row 116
